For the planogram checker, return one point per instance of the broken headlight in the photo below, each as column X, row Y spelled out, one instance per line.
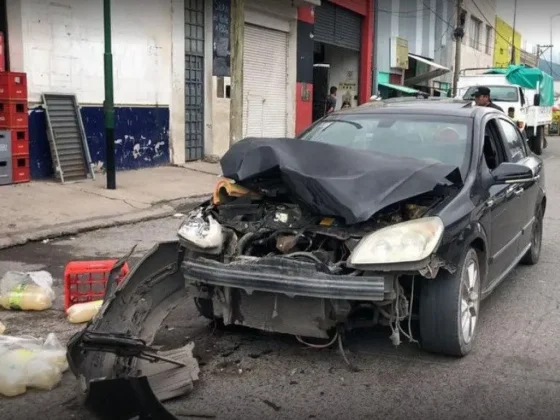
column 202, row 233
column 405, row 242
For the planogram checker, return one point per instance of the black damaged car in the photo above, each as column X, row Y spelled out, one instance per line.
column 405, row 215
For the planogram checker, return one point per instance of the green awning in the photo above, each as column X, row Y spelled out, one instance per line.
column 529, row 78
column 399, row 87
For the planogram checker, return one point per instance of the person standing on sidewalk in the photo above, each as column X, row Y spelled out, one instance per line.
column 330, row 105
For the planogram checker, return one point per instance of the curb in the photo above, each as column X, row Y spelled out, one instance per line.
column 158, row 211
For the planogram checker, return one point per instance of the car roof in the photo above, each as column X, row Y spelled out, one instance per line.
column 430, row 106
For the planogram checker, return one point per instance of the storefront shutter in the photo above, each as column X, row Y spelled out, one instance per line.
column 337, row 26
column 265, row 82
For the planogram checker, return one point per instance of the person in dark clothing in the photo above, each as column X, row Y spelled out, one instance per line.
column 331, row 100
column 482, row 98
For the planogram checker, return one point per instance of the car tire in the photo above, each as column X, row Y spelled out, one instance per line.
column 534, row 253
column 537, row 141
column 449, row 308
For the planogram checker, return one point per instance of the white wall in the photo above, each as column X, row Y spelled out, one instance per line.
column 473, row 57
column 63, row 47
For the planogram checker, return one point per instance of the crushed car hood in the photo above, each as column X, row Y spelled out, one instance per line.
column 333, row 180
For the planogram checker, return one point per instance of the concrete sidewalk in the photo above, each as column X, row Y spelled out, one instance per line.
column 41, row 210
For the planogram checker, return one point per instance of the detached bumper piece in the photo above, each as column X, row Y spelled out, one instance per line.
column 121, row 376
column 285, row 276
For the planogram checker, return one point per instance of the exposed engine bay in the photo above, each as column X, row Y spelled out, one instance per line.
column 244, row 231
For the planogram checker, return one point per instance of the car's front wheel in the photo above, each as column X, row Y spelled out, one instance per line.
column 449, row 308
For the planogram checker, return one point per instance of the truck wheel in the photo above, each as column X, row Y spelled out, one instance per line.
column 537, row 141
column 449, row 309
column 532, row 256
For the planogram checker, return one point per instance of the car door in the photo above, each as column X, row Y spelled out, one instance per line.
column 502, row 217
column 528, row 191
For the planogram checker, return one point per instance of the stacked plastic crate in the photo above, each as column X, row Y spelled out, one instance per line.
column 14, row 129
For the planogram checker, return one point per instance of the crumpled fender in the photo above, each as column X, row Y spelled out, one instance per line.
column 134, row 308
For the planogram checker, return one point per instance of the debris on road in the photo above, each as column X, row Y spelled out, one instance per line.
column 83, row 312
column 272, row 405
column 109, row 363
column 27, row 362
column 26, row 291
column 2, row 328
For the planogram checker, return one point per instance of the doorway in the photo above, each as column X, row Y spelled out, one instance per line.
column 337, row 45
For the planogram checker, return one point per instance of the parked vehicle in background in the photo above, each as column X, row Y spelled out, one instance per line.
column 526, row 94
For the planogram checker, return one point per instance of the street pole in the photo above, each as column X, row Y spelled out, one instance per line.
column 459, row 33
column 512, row 60
column 551, row 32
column 237, row 36
column 109, row 104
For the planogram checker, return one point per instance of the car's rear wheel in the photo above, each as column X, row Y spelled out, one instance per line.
column 534, row 253
column 449, row 309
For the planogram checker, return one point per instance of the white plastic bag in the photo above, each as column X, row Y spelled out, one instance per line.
column 27, row 291
column 28, row 362
column 83, row 312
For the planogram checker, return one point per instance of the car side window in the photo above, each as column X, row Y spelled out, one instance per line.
column 492, row 148
column 513, row 141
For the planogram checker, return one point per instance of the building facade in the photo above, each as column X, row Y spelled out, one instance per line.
column 505, row 40
column 60, row 47
column 172, row 76
column 478, row 44
column 414, row 46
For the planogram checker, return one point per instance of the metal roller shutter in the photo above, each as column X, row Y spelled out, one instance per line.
column 337, row 26
column 265, row 82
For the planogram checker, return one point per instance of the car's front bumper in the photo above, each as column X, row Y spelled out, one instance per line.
column 286, row 276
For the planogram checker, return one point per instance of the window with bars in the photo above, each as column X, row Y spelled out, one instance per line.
column 488, row 39
column 474, row 33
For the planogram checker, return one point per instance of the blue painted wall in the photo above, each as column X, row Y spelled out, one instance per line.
column 141, row 138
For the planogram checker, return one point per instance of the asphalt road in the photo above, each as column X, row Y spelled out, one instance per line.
column 513, row 372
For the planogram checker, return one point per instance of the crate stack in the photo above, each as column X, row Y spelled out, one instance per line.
column 14, row 129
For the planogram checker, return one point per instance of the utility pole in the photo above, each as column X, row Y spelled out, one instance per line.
column 109, row 104
column 237, row 35
column 512, row 60
column 541, row 49
column 459, row 33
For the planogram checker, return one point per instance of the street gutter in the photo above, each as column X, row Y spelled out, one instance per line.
column 160, row 210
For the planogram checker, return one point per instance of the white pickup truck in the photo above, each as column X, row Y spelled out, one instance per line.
column 521, row 103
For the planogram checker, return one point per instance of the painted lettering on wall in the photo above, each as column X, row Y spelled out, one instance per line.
column 221, row 18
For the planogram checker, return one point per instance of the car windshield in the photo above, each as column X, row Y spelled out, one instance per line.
column 441, row 138
column 497, row 93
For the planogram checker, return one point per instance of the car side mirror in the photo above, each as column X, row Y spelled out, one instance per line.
column 537, row 99
column 510, row 173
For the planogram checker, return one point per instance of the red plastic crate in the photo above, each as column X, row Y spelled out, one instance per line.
column 13, row 86
column 13, row 114
column 20, row 142
column 85, row 281
column 20, row 169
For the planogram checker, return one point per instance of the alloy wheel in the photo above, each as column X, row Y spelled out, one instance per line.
column 470, row 300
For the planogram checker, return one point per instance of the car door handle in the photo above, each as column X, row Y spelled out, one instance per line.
column 519, row 191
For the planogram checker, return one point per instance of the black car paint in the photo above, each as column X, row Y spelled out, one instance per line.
column 483, row 214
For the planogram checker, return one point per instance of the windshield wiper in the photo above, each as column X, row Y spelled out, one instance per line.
column 355, row 124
